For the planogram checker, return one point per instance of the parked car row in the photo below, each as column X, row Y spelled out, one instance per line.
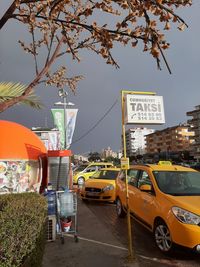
column 164, row 198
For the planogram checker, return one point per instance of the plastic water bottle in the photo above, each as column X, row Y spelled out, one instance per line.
column 51, row 199
column 66, row 204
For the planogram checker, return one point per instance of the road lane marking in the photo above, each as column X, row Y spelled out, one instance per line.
column 164, row 261
column 98, row 242
column 171, row 263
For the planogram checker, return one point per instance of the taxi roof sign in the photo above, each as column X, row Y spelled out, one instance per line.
column 164, row 162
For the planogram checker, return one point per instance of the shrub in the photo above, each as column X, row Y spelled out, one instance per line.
column 22, row 232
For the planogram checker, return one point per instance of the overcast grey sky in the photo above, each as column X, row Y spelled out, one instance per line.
column 103, row 83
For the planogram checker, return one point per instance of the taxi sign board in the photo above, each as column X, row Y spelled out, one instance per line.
column 124, row 163
column 144, row 109
column 164, row 162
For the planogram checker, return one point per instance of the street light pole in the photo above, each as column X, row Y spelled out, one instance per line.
column 63, row 95
column 65, row 120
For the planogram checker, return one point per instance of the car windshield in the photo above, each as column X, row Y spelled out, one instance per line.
column 80, row 168
column 105, row 174
column 178, row 183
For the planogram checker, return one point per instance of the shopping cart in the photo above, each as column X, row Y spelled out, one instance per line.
column 66, row 213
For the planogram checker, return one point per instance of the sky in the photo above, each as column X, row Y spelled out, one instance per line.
column 98, row 126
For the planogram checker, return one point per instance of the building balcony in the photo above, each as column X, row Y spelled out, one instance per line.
column 192, row 121
column 196, row 144
column 195, row 129
column 196, row 136
column 191, row 113
column 168, row 143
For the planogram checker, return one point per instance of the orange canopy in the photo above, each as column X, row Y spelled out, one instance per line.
column 18, row 142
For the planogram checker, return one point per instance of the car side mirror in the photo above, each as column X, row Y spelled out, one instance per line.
column 146, row 188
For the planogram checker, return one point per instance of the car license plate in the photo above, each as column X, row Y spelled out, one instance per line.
column 92, row 193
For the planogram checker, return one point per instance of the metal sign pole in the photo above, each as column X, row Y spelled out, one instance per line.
column 130, row 246
column 131, row 250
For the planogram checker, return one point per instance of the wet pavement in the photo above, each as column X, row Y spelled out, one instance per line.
column 103, row 242
column 144, row 246
column 96, row 245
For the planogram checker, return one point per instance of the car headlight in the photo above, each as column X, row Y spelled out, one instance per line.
column 108, row 188
column 185, row 216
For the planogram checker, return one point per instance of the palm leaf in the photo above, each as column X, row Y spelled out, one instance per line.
column 9, row 90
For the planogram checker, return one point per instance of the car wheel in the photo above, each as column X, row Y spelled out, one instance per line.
column 162, row 237
column 84, row 199
column 120, row 211
column 80, row 181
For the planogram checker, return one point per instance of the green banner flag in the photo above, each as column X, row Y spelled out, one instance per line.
column 59, row 121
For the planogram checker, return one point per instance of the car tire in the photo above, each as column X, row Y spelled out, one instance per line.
column 84, row 199
column 163, row 238
column 80, row 181
column 120, row 211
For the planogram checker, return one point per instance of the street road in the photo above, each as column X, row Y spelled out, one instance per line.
column 143, row 241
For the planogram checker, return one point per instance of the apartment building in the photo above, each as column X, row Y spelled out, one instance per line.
column 107, row 152
column 136, row 141
column 195, row 127
column 173, row 139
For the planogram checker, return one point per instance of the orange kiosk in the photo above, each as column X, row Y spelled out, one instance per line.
column 23, row 159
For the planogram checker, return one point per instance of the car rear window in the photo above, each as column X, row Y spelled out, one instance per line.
column 107, row 175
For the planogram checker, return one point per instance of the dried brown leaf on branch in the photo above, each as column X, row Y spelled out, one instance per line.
column 66, row 27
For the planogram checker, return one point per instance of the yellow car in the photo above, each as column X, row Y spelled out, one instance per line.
column 80, row 177
column 101, row 186
column 166, row 200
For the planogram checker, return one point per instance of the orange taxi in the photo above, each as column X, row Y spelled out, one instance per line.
column 164, row 198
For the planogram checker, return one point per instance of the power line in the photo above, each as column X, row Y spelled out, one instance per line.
column 97, row 123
